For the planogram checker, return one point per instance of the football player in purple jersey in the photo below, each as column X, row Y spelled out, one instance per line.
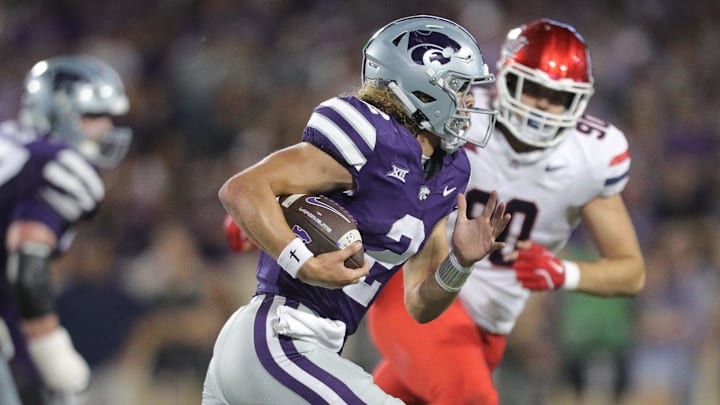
column 392, row 156
column 49, row 180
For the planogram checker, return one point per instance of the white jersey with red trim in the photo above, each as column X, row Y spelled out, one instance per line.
column 545, row 191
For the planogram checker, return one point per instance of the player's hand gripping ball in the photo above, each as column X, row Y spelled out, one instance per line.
column 322, row 224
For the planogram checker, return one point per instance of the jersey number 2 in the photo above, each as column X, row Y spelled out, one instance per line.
column 409, row 227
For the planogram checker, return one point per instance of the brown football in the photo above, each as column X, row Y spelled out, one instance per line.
column 322, row 224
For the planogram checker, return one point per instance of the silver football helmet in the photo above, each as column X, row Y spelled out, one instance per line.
column 426, row 61
column 59, row 91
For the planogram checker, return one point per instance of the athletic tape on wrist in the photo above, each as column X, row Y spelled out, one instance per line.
column 572, row 275
column 451, row 276
column 293, row 256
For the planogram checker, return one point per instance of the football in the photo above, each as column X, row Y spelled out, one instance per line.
column 322, row 224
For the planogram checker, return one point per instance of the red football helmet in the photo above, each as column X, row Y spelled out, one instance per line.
column 552, row 55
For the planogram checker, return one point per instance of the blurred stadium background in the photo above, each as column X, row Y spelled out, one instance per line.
column 216, row 84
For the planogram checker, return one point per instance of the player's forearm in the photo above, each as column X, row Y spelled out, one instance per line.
column 608, row 277
column 427, row 293
column 427, row 301
column 433, row 277
column 252, row 204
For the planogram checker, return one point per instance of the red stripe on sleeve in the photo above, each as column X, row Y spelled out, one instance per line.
column 620, row 158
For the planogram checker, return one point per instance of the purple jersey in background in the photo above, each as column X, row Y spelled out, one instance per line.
column 22, row 159
column 42, row 181
column 395, row 207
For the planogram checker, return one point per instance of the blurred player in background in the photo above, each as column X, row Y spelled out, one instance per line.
column 555, row 167
column 392, row 156
column 49, row 180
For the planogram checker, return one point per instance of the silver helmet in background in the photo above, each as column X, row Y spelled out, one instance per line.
column 59, row 91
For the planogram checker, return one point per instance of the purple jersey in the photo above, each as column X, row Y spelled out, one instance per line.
column 396, row 208
column 43, row 181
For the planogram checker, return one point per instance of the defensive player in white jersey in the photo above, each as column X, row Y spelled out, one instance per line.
column 555, row 167
column 392, row 156
column 49, row 181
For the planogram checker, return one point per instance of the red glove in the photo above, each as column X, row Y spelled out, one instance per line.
column 236, row 238
column 538, row 269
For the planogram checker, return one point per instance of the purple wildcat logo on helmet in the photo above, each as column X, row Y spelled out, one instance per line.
column 429, row 46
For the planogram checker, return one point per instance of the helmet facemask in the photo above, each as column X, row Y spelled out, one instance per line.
column 457, row 129
column 532, row 125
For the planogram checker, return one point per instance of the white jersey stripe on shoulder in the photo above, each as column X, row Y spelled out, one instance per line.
column 361, row 124
column 279, row 356
column 57, row 175
column 63, row 204
column 82, row 169
column 351, row 153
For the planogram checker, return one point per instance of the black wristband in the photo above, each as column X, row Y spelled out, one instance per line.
column 29, row 274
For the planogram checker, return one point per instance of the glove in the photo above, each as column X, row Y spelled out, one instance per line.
column 236, row 238
column 537, row 269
